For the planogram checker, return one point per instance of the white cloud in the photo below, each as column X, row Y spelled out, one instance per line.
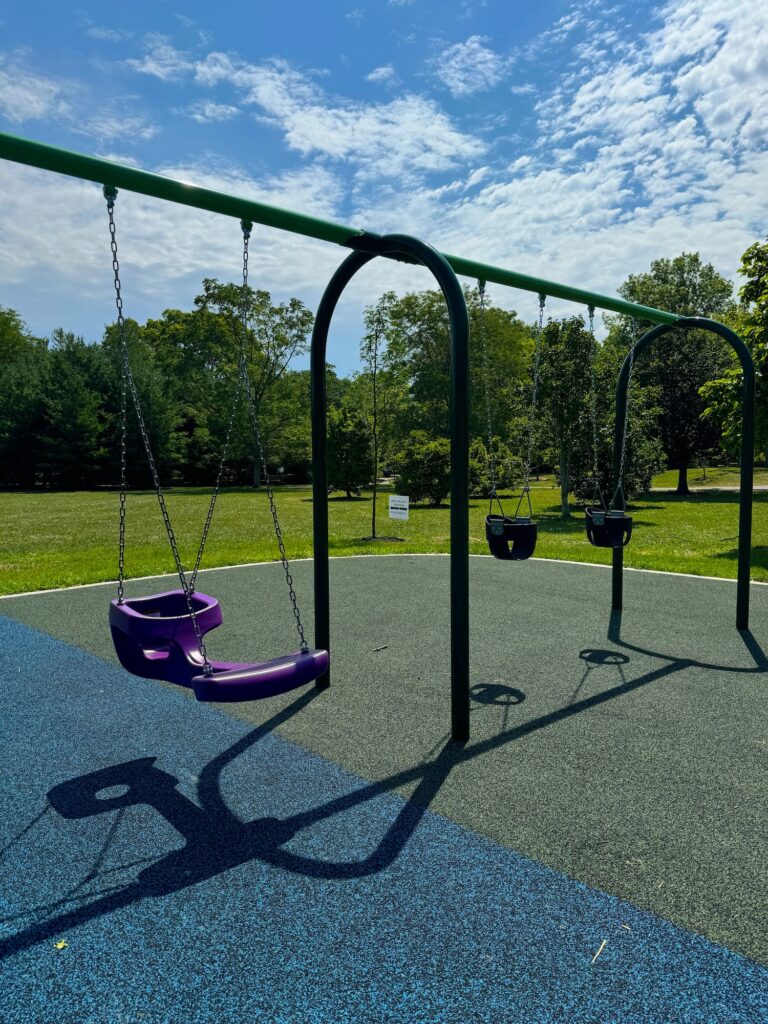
column 409, row 135
column 401, row 3
column 470, row 67
column 111, row 35
column 386, row 74
column 28, row 96
column 162, row 60
column 206, row 111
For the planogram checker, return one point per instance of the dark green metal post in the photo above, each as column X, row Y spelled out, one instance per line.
column 412, row 250
column 692, row 323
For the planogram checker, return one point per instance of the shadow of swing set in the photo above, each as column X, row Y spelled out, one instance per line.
column 162, row 636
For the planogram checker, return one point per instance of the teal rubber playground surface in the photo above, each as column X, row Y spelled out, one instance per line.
column 595, row 854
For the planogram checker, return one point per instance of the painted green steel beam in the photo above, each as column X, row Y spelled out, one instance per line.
column 109, row 172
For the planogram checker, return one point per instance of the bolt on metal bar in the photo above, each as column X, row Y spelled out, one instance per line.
column 111, row 173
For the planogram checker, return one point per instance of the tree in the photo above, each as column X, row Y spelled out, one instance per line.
column 199, row 352
column 23, row 362
column 722, row 397
column 683, row 361
column 644, row 455
column 349, row 449
column 509, row 468
column 373, row 349
column 423, row 467
column 565, row 385
column 72, row 444
column 419, row 346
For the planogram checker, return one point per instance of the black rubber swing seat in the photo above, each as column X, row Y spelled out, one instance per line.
column 510, row 539
column 608, row 529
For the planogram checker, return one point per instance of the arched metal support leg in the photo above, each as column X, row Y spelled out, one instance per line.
column 415, row 251
column 747, row 452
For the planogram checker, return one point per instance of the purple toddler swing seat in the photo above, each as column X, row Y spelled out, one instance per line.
column 154, row 637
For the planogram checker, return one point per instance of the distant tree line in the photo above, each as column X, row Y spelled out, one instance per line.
column 60, row 396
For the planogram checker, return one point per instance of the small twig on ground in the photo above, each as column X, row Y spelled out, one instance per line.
column 602, row 947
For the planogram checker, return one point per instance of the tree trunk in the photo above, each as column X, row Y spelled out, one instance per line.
column 682, row 479
column 256, row 473
column 565, row 474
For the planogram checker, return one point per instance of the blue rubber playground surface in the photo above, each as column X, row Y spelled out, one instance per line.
column 595, row 854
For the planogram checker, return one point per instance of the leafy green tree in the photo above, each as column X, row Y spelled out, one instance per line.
column 419, row 346
column 199, row 352
column 644, row 456
column 509, row 468
column 23, row 362
column 722, row 397
column 682, row 362
column 72, row 444
column 423, row 468
column 384, row 386
column 565, row 385
column 349, row 449
column 161, row 403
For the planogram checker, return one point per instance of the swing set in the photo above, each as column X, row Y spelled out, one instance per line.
column 162, row 636
column 513, row 538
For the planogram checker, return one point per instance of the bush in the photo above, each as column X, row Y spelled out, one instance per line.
column 423, row 468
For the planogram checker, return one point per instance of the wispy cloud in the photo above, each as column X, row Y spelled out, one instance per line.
column 162, row 60
column 385, row 75
column 406, row 136
column 205, row 111
column 26, row 95
column 470, row 67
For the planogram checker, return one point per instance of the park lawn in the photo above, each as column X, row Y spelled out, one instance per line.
column 717, row 476
column 58, row 539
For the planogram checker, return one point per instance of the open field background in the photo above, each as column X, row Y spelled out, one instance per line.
column 58, row 539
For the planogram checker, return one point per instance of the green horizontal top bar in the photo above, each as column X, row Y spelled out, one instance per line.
column 109, row 172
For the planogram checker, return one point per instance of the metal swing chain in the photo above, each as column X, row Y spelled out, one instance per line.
column 245, row 382
column 598, row 492
column 620, row 479
column 128, row 384
column 246, row 228
column 526, row 491
column 486, row 381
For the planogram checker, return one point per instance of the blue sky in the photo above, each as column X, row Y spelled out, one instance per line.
column 573, row 140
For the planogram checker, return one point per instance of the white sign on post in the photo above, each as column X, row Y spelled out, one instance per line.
column 398, row 506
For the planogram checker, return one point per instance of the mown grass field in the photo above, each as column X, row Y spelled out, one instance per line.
column 715, row 476
column 60, row 539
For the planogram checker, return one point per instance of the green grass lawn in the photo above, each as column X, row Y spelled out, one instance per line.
column 716, row 476
column 60, row 539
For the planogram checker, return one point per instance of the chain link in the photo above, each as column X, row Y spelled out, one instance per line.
column 597, row 494
column 128, row 384
column 487, row 385
column 620, row 478
column 245, row 383
column 535, row 392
